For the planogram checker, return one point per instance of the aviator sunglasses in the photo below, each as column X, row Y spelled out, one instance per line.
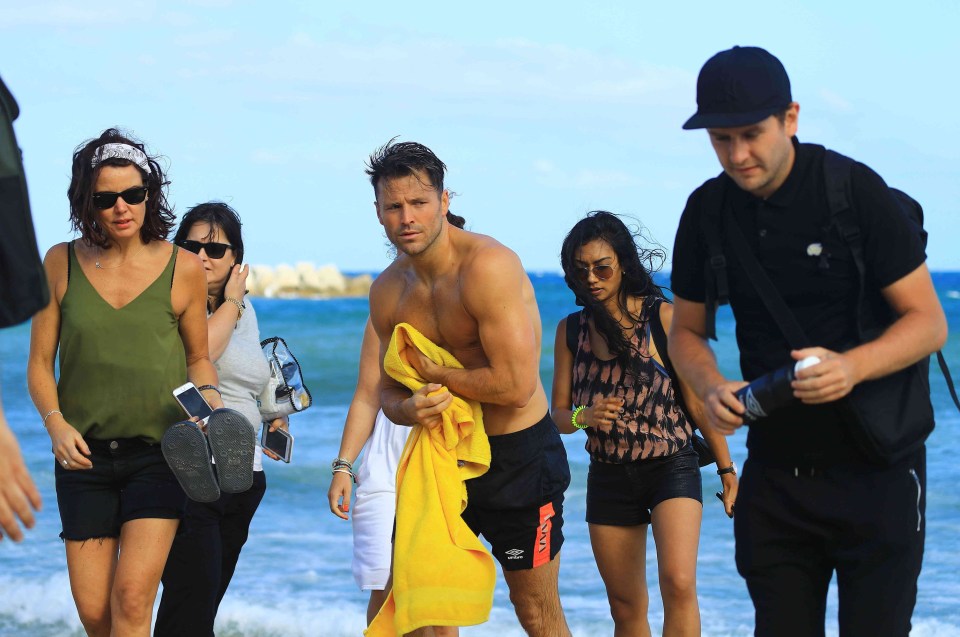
column 213, row 249
column 603, row 272
column 133, row 196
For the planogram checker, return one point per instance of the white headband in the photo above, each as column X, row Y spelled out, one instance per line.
column 121, row 151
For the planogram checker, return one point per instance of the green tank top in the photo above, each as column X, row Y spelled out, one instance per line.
column 118, row 367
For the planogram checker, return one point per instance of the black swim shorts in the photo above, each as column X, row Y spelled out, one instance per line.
column 129, row 480
column 518, row 504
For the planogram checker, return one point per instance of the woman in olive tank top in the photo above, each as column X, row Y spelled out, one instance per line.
column 128, row 319
column 612, row 382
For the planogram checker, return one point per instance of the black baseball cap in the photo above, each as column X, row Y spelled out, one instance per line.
column 739, row 87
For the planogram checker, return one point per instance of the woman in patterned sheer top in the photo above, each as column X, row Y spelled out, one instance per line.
column 611, row 382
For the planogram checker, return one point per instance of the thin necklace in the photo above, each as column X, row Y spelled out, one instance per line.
column 114, row 267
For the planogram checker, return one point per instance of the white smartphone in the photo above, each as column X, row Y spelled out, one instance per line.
column 279, row 442
column 193, row 401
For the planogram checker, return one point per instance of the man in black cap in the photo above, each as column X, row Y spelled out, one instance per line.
column 811, row 500
column 23, row 291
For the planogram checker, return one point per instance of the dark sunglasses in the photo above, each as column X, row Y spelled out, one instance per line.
column 133, row 196
column 603, row 272
column 213, row 249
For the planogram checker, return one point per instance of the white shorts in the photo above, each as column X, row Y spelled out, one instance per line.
column 375, row 502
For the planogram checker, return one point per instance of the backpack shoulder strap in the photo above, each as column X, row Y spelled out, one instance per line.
column 837, row 170
column 659, row 335
column 573, row 327
column 715, row 267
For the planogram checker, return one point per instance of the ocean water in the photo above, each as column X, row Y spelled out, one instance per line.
column 294, row 575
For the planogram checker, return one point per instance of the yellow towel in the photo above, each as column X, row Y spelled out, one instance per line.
column 442, row 574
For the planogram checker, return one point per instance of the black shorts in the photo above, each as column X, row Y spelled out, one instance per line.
column 129, row 480
column 625, row 494
column 518, row 504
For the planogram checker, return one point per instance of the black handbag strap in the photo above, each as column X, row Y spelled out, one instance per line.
column 782, row 315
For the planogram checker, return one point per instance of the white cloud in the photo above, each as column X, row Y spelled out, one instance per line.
column 836, row 101
column 547, row 174
column 71, row 14
column 543, row 166
column 510, row 72
column 267, row 156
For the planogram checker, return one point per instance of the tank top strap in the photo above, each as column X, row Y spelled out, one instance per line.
column 71, row 257
column 172, row 265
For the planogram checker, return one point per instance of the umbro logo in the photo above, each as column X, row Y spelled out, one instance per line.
column 515, row 554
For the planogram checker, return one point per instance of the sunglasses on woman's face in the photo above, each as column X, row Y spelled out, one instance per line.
column 133, row 196
column 213, row 249
column 603, row 272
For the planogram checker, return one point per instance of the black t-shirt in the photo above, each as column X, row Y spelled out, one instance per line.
column 23, row 284
column 814, row 272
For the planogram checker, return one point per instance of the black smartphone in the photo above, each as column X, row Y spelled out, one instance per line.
column 279, row 442
column 192, row 401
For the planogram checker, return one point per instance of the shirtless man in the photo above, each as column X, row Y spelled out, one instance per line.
column 470, row 295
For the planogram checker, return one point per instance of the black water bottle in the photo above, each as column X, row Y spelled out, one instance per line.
column 771, row 391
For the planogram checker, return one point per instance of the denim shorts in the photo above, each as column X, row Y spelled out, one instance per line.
column 129, row 480
column 625, row 494
column 518, row 504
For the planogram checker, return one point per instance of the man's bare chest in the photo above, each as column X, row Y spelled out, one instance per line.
column 439, row 314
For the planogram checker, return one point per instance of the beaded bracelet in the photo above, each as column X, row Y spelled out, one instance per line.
column 573, row 418
column 241, row 306
column 206, row 387
column 341, row 462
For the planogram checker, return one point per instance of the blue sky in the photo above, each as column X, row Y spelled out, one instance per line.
column 542, row 111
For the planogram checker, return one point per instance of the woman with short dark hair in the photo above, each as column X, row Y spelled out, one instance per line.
column 207, row 548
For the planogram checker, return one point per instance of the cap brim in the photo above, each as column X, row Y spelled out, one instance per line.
column 730, row 120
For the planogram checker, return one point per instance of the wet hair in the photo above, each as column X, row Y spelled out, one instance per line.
column 456, row 220
column 216, row 214
column 158, row 219
column 402, row 159
column 638, row 265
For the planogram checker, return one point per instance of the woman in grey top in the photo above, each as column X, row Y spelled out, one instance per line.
column 205, row 551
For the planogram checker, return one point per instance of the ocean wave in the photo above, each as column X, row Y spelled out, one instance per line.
column 43, row 607
column 38, row 607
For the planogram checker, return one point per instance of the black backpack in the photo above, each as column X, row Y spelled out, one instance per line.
column 873, row 314
column 705, row 455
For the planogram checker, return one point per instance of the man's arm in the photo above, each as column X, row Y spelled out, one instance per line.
column 493, row 293
column 697, row 365
column 361, row 417
column 18, row 494
column 398, row 403
column 920, row 330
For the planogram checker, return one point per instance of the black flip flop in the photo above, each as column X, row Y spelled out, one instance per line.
column 232, row 440
column 185, row 448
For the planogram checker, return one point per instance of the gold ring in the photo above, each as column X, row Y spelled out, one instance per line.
column 64, row 462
